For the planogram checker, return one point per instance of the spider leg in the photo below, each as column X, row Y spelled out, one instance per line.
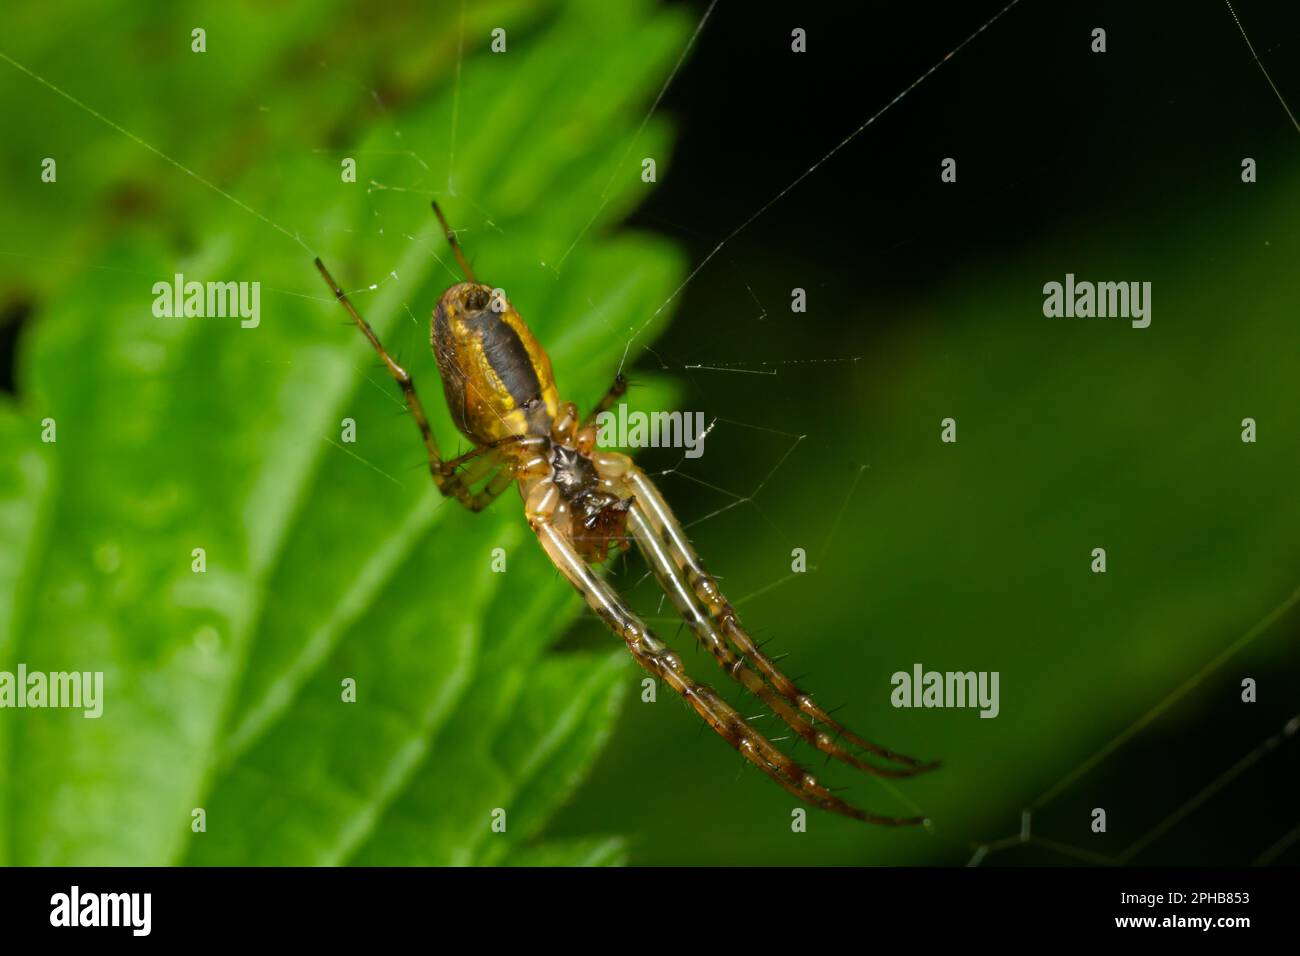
column 502, row 479
column 672, row 580
column 484, row 458
column 615, row 392
column 660, row 662
column 450, row 484
column 706, row 591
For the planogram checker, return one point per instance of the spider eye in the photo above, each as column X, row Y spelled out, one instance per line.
column 476, row 299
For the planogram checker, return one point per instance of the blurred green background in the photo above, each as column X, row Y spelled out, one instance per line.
column 479, row 691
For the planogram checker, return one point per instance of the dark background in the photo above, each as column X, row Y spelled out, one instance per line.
column 1057, row 147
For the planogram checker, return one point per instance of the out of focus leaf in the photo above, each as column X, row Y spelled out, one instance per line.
column 325, row 561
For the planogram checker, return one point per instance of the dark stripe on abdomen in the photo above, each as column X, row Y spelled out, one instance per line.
column 509, row 359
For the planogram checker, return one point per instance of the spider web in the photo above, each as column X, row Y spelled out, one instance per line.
column 783, row 446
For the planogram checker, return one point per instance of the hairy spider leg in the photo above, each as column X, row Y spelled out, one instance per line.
column 655, row 548
column 656, row 511
column 448, row 481
column 615, row 392
column 493, row 451
column 454, row 243
column 659, row 661
column 501, row 479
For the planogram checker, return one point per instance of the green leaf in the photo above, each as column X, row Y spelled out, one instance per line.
column 325, row 561
column 609, row 851
column 532, row 735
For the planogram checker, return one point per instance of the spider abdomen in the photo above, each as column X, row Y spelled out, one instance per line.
column 496, row 377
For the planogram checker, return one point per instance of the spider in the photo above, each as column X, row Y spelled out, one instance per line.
column 582, row 502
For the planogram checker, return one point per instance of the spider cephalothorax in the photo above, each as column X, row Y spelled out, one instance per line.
column 580, row 502
column 599, row 516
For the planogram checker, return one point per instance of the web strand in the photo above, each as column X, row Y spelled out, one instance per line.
column 157, row 152
column 1260, row 63
column 814, row 167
